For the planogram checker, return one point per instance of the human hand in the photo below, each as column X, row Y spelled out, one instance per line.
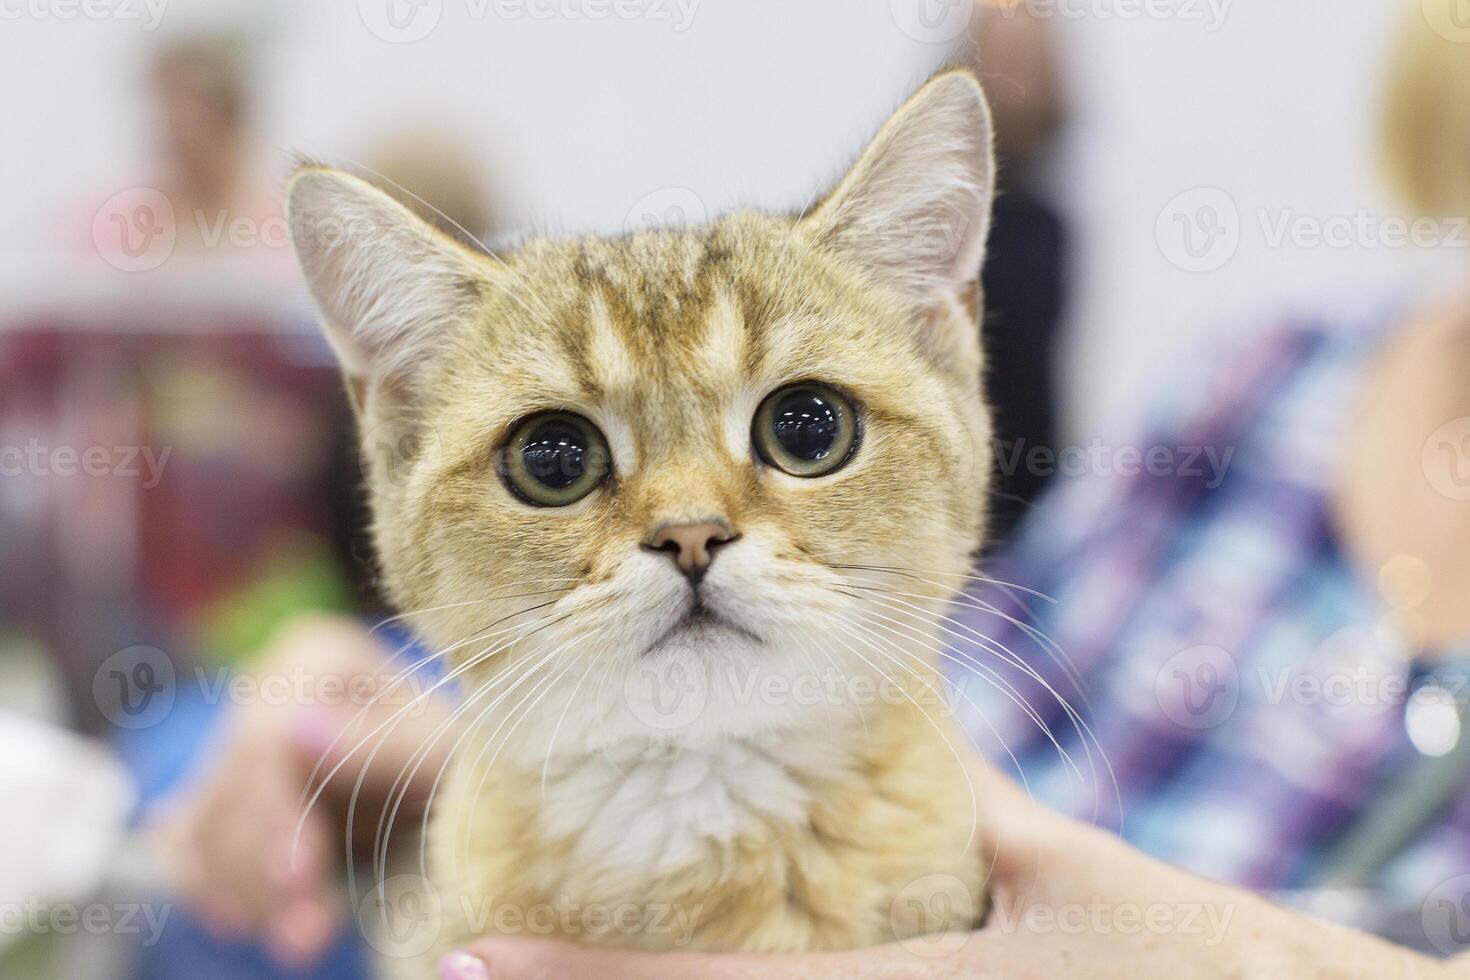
column 308, row 705
column 1068, row 900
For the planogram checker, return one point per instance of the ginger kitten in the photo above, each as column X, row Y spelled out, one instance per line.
column 683, row 509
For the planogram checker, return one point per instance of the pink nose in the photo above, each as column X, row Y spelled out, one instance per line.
column 692, row 546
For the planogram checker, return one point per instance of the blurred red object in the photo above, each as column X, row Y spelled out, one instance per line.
column 146, row 474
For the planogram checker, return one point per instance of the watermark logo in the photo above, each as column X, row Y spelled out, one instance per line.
column 667, row 693
column 138, row 229
column 1198, row 688
column 401, row 918
column 933, row 21
column 135, row 688
column 667, row 207
column 1450, row 19
column 1199, row 230
column 934, row 914
column 134, row 230
column 391, row 451
column 400, row 21
column 1446, row 459
column 1446, row 916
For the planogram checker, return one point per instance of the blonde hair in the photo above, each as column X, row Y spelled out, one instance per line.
column 1427, row 118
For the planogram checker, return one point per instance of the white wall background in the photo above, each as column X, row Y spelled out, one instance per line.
column 763, row 102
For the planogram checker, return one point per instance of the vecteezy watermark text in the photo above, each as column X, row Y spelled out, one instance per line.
column 1101, row 917
column 1210, row 13
column 944, row 21
column 37, row 917
column 407, row 21
column 1202, row 229
column 148, row 12
column 405, row 916
column 564, row 917
column 1207, row 463
column 136, row 688
column 132, row 462
column 671, row 693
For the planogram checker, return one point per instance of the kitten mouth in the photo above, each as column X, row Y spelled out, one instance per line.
column 701, row 622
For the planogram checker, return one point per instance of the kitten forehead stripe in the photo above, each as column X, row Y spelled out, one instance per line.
column 610, row 362
column 723, row 350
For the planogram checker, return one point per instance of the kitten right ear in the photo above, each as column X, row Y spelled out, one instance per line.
column 385, row 283
column 915, row 209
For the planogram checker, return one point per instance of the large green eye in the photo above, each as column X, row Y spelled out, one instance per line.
column 555, row 459
column 805, row 429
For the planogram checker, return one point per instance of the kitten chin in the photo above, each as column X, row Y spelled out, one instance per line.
column 644, row 492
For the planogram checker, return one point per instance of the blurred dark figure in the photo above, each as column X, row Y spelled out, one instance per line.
column 219, row 832
column 1025, row 265
column 201, row 93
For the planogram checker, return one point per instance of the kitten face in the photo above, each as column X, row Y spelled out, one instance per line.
column 550, row 570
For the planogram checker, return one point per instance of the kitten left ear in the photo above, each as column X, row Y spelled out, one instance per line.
column 387, row 285
column 915, row 210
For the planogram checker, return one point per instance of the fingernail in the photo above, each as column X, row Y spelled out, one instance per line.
column 463, row 966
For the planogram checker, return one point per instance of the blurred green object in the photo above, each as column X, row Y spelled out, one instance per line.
column 1422, row 791
column 29, row 681
column 27, row 958
column 301, row 575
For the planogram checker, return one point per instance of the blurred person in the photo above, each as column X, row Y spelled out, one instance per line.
column 1014, row 52
column 206, row 196
column 325, row 707
column 1269, row 622
column 202, row 98
column 324, row 690
column 198, row 556
column 256, row 843
column 353, row 696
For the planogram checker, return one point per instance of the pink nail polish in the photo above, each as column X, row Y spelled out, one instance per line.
column 463, row 966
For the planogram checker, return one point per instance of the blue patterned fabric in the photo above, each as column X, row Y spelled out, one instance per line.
column 1245, row 684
